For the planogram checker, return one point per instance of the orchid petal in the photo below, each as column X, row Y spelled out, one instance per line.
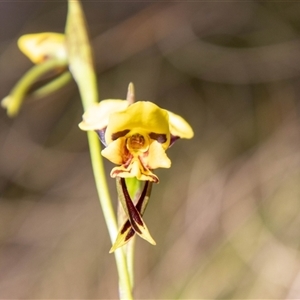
column 179, row 127
column 126, row 232
column 96, row 117
column 115, row 152
column 133, row 214
column 142, row 115
column 157, row 157
column 134, row 169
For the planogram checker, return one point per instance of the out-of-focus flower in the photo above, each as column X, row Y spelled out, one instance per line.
column 136, row 136
column 39, row 47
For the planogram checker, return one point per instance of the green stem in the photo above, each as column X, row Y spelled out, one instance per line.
column 53, row 85
column 129, row 248
column 20, row 90
column 125, row 287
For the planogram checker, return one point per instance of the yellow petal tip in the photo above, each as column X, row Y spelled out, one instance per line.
column 11, row 106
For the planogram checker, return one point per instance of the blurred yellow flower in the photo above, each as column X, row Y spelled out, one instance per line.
column 39, row 47
column 136, row 136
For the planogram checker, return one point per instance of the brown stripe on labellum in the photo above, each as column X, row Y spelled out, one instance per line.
column 119, row 134
column 160, row 137
column 134, row 215
column 140, row 206
column 134, row 223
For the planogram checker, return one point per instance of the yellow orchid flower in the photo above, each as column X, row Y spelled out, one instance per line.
column 136, row 135
column 39, row 47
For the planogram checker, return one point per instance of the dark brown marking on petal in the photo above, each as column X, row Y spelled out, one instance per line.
column 130, row 234
column 119, row 134
column 160, row 137
column 140, row 202
column 134, row 215
column 154, row 178
column 145, row 170
column 125, row 227
column 115, row 173
column 127, row 158
column 140, row 208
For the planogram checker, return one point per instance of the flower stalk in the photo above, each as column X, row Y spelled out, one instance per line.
column 135, row 136
column 14, row 100
column 81, row 67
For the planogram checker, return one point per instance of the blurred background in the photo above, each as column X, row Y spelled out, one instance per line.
column 226, row 216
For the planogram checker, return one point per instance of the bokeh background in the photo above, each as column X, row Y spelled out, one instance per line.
column 226, row 216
